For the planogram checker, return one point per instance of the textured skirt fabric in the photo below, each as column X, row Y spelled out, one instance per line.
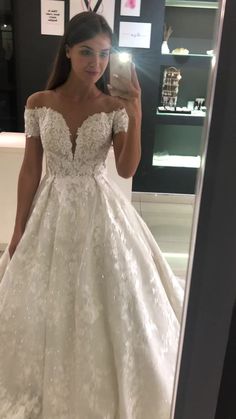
column 89, row 310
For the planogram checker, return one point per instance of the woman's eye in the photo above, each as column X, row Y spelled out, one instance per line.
column 86, row 52
column 104, row 54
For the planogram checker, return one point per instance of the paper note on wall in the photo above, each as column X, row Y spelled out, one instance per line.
column 52, row 17
column 105, row 8
column 135, row 35
column 130, row 7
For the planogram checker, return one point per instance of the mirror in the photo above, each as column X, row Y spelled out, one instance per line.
column 181, row 133
column 174, row 133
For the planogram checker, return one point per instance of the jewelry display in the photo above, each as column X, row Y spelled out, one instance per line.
column 170, row 86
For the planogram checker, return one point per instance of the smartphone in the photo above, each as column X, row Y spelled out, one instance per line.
column 120, row 64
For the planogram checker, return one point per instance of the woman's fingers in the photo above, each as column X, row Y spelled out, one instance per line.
column 128, row 89
column 122, row 81
column 127, row 86
column 127, row 82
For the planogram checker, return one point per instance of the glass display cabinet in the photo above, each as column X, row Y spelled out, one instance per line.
column 184, row 63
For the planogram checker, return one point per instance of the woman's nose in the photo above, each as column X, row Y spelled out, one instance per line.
column 95, row 60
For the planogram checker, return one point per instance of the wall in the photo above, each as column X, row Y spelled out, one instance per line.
column 34, row 53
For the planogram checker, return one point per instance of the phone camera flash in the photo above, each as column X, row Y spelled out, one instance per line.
column 124, row 57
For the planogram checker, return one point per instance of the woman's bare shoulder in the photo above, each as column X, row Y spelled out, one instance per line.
column 39, row 99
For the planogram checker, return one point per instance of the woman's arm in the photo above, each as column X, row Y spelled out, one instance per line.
column 127, row 146
column 28, row 181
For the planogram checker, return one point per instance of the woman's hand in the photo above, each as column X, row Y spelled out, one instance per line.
column 129, row 94
column 127, row 146
column 14, row 243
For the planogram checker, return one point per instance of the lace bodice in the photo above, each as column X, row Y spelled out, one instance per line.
column 92, row 144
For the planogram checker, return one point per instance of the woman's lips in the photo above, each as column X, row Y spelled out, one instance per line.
column 93, row 72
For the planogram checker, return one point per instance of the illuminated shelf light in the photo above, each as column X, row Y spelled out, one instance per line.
column 193, row 4
column 194, row 113
column 176, row 161
column 188, row 55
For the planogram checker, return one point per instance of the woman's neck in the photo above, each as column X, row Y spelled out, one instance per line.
column 78, row 91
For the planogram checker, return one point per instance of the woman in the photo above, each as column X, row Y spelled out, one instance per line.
column 89, row 309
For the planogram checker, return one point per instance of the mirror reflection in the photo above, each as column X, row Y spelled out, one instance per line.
column 97, row 197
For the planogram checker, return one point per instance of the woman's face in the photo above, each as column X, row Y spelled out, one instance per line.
column 90, row 58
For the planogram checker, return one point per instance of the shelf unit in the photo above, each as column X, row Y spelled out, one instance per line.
column 171, row 161
column 188, row 60
column 179, row 119
column 193, row 4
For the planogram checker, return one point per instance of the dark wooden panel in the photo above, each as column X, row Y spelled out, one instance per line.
column 34, row 53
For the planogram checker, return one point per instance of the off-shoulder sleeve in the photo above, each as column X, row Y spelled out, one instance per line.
column 31, row 117
column 120, row 121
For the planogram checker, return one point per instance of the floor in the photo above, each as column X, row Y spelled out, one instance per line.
column 169, row 217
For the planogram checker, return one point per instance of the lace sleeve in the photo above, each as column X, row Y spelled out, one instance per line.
column 120, row 121
column 32, row 128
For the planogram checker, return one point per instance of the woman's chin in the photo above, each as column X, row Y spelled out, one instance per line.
column 93, row 75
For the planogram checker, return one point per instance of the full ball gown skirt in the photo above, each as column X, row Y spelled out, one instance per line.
column 89, row 309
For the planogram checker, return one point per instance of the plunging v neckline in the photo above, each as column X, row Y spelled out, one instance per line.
column 73, row 142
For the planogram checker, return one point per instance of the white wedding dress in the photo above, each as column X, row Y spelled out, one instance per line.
column 89, row 309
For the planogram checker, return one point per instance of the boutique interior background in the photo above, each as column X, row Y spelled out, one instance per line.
column 168, row 210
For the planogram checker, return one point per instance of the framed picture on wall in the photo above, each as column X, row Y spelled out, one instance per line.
column 52, row 17
column 135, row 34
column 130, row 7
column 103, row 7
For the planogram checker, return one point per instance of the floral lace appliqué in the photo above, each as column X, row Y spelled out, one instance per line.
column 89, row 309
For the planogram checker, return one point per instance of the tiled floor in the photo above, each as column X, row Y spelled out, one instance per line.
column 169, row 218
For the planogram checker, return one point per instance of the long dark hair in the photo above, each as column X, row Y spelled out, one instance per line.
column 81, row 27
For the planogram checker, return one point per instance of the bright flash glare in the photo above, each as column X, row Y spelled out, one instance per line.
column 124, row 57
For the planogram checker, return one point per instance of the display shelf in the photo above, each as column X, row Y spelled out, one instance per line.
column 181, row 119
column 188, row 60
column 172, row 157
column 193, row 4
column 176, row 161
column 188, row 55
column 180, row 180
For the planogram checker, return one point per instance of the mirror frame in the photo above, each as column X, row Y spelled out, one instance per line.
column 211, row 285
